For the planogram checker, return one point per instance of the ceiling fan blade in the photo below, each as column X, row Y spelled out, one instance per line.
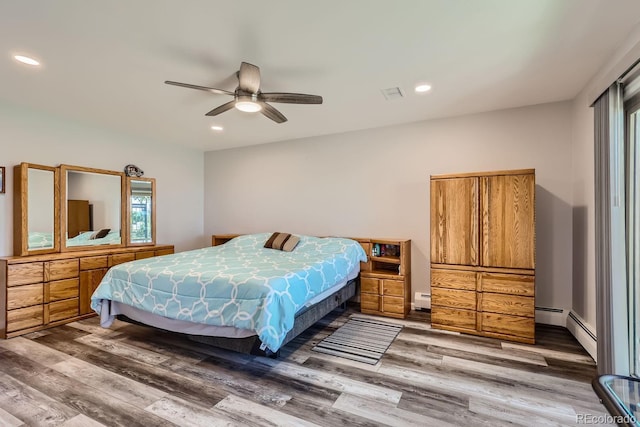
column 208, row 89
column 249, row 78
column 222, row 108
column 290, row 98
column 272, row 113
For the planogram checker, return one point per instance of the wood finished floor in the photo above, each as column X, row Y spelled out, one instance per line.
column 82, row 375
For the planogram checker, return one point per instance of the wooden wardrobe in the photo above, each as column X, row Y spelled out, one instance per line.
column 78, row 217
column 483, row 253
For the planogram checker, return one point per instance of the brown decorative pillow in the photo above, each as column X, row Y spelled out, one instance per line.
column 100, row 234
column 282, row 242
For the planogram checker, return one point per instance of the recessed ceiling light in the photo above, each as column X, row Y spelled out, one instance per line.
column 217, row 128
column 421, row 88
column 26, row 60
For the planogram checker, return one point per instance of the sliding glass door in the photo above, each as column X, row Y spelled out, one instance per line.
column 632, row 136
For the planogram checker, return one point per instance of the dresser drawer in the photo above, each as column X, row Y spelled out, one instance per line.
column 454, row 279
column 120, row 259
column 61, row 310
column 61, row 269
column 370, row 285
column 24, row 274
column 161, row 252
column 24, row 296
column 93, row 262
column 513, row 284
column 393, row 305
column 145, row 254
column 23, row 318
column 393, row 287
column 61, row 289
column 509, row 325
column 453, row 298
column 507, row 304
column 453, row 317
column 369, row 302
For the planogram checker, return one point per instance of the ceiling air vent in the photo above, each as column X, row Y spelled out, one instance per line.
column 392, row 93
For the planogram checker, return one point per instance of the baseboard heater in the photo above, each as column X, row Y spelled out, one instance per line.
column 582, row 326
column 422, row 301
column 550, row 309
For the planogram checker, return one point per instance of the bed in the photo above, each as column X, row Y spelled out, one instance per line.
column 236, row 292
column 95, row 238
column 41, row 240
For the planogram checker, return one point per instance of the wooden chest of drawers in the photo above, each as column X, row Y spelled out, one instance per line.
column 494, row 304
column 41, row 291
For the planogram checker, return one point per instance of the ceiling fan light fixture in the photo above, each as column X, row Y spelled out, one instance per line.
column 248, row 106
column 249, row 98
column 248, row 103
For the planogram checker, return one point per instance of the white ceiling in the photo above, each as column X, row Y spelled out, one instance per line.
column 104, row 62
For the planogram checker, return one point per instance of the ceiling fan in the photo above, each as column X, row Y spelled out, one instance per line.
column 249, row 98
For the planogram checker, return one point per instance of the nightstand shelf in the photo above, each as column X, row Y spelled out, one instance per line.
column 386, row 259
column 221, row 239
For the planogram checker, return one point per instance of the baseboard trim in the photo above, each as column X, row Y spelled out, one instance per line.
column 584, row 333
column 551, row 316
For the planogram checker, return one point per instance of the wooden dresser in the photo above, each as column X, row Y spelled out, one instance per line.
column 483, row 254
column 42, row 291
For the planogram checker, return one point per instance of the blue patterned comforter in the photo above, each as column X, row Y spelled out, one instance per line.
column 40, row 240
column 240, row 283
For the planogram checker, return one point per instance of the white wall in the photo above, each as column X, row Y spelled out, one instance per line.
column 103, row 192
column 375, row 183
column 584, row 282
column 583, row 178
column 33, row 137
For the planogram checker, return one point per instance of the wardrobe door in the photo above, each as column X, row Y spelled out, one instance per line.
column 454, row 221
column 508, row 221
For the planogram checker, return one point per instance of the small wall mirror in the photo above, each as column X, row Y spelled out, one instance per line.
column 36, row 214
column 93, row 208
column 141, row 211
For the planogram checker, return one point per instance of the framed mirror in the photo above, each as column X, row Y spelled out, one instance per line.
column 36, row 213
column 141, row 211
column 92, row 208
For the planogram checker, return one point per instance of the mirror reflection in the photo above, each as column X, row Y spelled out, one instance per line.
column 41, row 212
column 141, row 211
column 93, row 209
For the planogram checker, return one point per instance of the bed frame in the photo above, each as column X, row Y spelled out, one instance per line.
column 305, row 318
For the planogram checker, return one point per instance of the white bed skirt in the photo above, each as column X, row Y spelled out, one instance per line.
column 110, row 309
